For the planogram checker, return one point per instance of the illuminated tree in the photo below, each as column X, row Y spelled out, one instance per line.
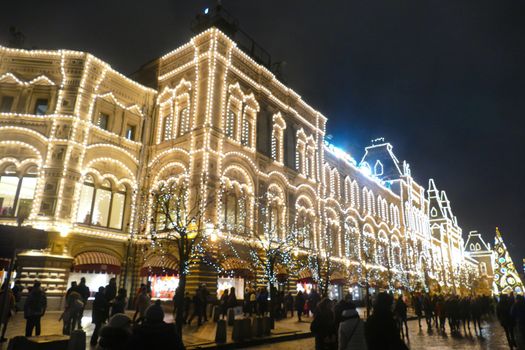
column 266, row 245
column 178, row 224
column 506, row 278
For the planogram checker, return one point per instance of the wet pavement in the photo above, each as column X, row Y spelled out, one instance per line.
column 493, row 338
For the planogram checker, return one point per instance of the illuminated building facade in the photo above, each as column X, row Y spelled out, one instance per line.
column 79, row 142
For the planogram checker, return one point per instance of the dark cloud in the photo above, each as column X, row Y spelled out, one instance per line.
column 442, row 80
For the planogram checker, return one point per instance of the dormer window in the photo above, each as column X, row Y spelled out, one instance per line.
column 378, row 168
column 433, row 212
column 41, row 106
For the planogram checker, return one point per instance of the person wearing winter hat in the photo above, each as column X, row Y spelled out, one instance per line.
column 154, row 333
column 115, row 335
column 351, row 334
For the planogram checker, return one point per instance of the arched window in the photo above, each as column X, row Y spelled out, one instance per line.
column 17, row 191
column 184, row 121
column 382, row 250
column 396, row 254
column 246, row 132
column 167, row 121
column 483, row 268
column 278, row 128
column 234, row 213
column 305, row 229
column 352, row 240
column 101, row 205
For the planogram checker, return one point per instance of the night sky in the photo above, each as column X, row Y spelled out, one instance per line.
column 443, row 81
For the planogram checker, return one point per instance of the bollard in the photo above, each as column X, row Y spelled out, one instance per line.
column 216, row 313
column 266, row 326
column 77, row 340
column 237, row 334
column 257, row 327
column 220, row 335
column 231, row 316
column 272, row 323
column 247, row 328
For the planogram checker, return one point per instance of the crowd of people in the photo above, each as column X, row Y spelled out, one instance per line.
column 335, row 324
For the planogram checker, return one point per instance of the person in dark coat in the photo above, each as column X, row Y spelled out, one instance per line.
column 418, row 308
column 518, row 314
column 381, row 331
column 288, row 304
column 400, row 311
column 154, row 333
column 313, row 300
column 505, row 318
column 299, row 305
column 323, row 326
column 99, row 314
column 34, row 308
column 223, row 303
column 198, row 305
column 116, row 334
column 119, row 303
column 111, row 290
column 84, row 292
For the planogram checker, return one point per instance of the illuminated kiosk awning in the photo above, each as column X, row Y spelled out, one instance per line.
column 160, row 265
column 337, row 278
column 97, row 262
column 234, row 267
column 305, row 276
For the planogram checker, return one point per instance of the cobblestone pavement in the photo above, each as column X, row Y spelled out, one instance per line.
column 493, row 339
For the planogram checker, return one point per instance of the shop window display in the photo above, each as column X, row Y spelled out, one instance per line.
column 224, row 283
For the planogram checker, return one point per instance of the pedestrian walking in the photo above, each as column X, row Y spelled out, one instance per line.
column 299, row 305
column 518, row 314
column 119, row 303
column 17, row 293
column 74, row 306
column 111, row 290
column 400, row 312
column 323, row 326
column 34, row 308
column 100, row 313
column 223, row 303
column 503, row 312
column 288, row 304
column 381, row 331
column 142, row 303
column 418, row 308
column 85, row 293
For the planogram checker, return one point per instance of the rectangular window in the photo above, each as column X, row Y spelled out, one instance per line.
column 117, row 211
column 41, row 106
column 130, row 132
column 6, row 104
column 101, row 207
column 84, row 204
column 103, row 121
